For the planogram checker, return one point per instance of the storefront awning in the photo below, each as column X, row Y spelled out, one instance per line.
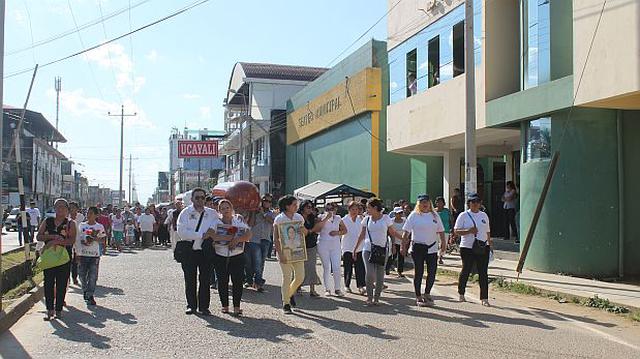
column 320, row 190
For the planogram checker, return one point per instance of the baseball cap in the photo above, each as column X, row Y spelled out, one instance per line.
column 397, row 210
column 474, row 197
column 423, row 197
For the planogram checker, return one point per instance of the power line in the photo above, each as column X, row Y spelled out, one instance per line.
column 364, row 33
column 72, row 31
column 113, row 72
column 93, row 75
column 172, row 15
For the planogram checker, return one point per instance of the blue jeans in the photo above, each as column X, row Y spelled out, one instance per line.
column 255, row 255
column 88, row 271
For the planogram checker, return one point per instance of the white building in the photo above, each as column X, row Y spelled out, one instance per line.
column 255, row 121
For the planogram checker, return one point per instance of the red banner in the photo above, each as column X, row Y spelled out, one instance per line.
column 188, row 149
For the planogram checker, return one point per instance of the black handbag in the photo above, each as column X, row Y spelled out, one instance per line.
column 184, row 249
column 479, row 247
column 378, row 253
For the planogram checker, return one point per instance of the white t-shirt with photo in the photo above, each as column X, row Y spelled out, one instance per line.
column 464, row 222
column 222, row 248
column 34, row 215
column 424, row 228
column 376, row 231
column 93, row 249
column 399, row 227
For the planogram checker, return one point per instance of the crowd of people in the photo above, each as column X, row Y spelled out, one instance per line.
column 219, row 247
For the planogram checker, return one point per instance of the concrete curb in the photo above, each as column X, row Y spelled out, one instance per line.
column 20, row 307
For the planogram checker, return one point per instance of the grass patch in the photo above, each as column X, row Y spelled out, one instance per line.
column 604, row 304
column 516, row 287
column 23, row 288
column 16, row 258
column 635, row 316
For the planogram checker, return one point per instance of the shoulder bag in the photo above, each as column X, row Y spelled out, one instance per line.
column 479, row 247
column 378, row 253
column 184, row 249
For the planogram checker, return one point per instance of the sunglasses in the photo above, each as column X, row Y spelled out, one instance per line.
column 199, row 198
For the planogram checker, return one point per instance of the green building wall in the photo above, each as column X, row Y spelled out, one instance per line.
column 578, row 231
column 342, row 153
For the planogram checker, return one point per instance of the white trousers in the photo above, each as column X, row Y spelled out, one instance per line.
column 330, row 256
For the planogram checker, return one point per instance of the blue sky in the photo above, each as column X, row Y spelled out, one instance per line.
column 172, row 74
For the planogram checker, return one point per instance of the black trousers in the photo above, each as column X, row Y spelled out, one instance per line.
column 421, row 255
column 55, row 286
column 510, row 223
column 230, row 267
column 197, row 269
column 349, row 265
column 74, row 267
column 481, row 262
column 397, row 259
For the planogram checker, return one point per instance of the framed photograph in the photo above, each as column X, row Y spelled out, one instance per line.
column 292, row 242
column 222, row 247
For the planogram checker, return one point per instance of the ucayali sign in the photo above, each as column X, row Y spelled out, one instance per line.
column 355, row 95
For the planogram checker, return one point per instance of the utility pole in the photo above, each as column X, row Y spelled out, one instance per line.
column 19, row 175
column 2, row 3
column 58, row 86
column 122, row 116
column 130, row 179
column 470, row 157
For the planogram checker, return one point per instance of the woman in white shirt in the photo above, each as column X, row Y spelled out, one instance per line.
column 397, row 256
column 330, row 250
column 475, row 245
column 426, row 228
column 353, row 223
column 229, row 259
column 375, row 227
column 292, row 272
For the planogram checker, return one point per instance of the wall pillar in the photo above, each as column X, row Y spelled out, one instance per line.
column 451, row 173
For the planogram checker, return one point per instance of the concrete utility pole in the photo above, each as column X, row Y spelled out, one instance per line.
column 23, row 212
column 122, row 116
column 2, row 3
column 130, row 170
column 470, row 156
column 58, row 86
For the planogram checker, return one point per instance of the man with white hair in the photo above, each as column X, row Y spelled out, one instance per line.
column 172, row 220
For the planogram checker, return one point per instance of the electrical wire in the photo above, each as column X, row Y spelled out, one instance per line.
column 364, row 33
column 33, row 53
column 104, row 30
column 72, row 31
column 93, row 75
column 170, row 16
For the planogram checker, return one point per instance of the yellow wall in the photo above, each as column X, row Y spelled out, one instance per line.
column 357, row 94
column 613, row 69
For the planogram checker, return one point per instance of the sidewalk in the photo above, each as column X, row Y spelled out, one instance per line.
column 623, row 294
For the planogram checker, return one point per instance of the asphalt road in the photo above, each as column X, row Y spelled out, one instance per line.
column 140, row 314
column 9, row 240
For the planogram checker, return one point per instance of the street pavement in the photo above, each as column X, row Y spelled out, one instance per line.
column 140, row 314
column 9, row 241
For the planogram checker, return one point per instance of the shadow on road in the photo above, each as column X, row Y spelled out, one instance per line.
column 271, row 330
column 101, row 291
column 345, row 327
column 14, row 349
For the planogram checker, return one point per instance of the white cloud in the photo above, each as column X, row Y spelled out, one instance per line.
column 81, row 107
column 205, row 112
column 114, row 56
column 190, row 96
column 152, row 56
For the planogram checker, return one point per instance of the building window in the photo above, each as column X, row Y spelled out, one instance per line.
column 536, row 40
column 433, row 61
column 458, row 49
column 259, row 155
column 412, row 73
column 538, row 139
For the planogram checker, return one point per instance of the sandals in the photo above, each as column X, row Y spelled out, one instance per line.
column 237, row 312
column 225, row 310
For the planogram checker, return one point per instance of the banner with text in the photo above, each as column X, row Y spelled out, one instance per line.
column 191, row 149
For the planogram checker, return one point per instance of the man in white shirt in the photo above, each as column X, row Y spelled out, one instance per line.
column 196, row 223
column 146, row 222
column 34, row 213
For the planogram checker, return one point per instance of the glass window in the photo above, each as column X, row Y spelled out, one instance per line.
column 412, row 72
column 458, row 49
column 433, row 50
column 536, row 39
column 538, row 139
